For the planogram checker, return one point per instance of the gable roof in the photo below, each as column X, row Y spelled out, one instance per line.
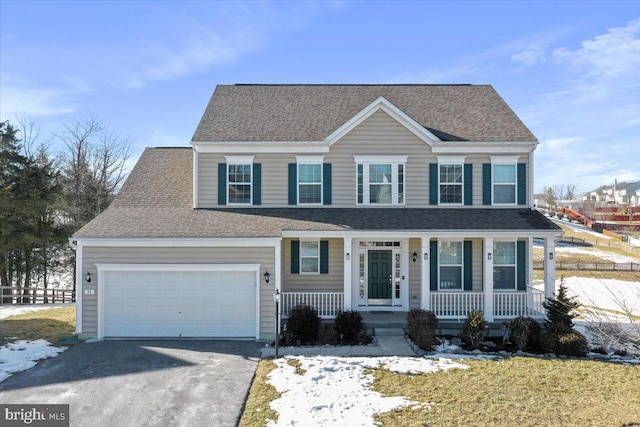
column 314, row 112
column 156, row 201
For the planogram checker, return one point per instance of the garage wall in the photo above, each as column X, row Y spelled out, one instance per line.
column 176, row 255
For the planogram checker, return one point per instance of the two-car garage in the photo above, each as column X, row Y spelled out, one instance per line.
column 178, row 300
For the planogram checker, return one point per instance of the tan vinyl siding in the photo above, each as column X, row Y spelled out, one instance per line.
column 380, row 135
column 414, row 273
column 476, row 260
column 178, row 255
column 331, row 282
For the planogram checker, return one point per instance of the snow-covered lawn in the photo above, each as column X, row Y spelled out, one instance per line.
column 336, row 391
column 609, row 256
column 607, row 294
column 11, row 310
column 21, row 355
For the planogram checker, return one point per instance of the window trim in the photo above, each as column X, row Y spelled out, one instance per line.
column 250, row 183
column 394, row 161
column 305, row 161
column 504, row 161
column 302, row 242
column 461, row 184
column 514, row 265
column 461, row 265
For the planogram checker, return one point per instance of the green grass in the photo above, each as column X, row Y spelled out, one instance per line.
column 511, row 392
column 51, row 324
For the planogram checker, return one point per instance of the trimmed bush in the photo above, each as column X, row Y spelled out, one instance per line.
column 422, row 326
column 525, row 333
column 475, row 328
column 569, row 344
column 349, row 327
column 304, row 325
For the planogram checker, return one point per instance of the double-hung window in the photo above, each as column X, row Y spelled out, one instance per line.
column 310, row 180
column 504, row 180
column 450, row 269
column 451, row 184
column 309, row 257
column 239, row 180
column 504, row 265
column 380, row 180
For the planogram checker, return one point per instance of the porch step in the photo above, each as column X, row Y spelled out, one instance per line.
column 389, row 332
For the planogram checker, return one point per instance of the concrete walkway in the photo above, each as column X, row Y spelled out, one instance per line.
column 388, row 342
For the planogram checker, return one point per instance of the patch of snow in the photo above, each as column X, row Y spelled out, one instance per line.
column 335, row 391
column 22, row 355
column 609, row 256
column 606, row 294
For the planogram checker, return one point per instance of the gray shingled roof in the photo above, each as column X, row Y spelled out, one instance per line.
column 156, row 202
column 313, row 112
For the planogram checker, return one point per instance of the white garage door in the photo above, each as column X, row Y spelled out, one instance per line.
column 179, row 303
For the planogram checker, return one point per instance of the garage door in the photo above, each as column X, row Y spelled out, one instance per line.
column 179, row 303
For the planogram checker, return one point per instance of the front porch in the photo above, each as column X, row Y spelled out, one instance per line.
column 447, row 306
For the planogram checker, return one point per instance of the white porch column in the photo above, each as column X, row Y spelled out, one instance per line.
column 488, row 278
column 347, row 260
column 425, row 274
column 278, row 285
column 549, row 267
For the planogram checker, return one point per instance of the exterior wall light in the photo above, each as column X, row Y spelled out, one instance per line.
column 426, row 256
column 348, row 256
column 87, row 277
column 489, row 256
column 267, row 277
column 415, row 257
column 550, row 255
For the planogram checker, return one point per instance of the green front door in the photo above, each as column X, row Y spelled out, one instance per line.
column 380, row 269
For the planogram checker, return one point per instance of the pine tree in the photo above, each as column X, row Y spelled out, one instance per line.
column 561, row 310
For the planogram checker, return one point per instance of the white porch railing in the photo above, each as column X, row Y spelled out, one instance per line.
column 455, row 305
column 327, row 304
column 507, row 305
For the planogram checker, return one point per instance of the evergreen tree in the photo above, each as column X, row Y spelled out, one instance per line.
column 561, row 310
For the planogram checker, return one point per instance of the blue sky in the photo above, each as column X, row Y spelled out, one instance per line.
column 570, row 70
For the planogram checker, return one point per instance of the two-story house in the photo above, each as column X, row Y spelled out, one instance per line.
column 342, row 197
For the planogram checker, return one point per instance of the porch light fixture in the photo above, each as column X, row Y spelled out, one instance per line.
column 267, row 277
column 489, row 256
column 550, row 255
column 415, row 257
column 348, row 256
column 426, row 256
column 87, row 277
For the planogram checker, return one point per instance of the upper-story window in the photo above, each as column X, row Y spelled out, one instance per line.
column 380, row 180
column 239, row 180
column 310, row 180
column 451, row 184
column 504, row 184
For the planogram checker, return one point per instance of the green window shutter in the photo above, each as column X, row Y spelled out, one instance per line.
column 521, row 262
column 434, row 265
column 468, row 184
column 522, row 183
column 486, row 184
column 326, row 183
column 468, row 265
column 293, row 184
column 433, row 183
column 295, row 257
column 222, row 183
column 324, row 257
column 257, row 183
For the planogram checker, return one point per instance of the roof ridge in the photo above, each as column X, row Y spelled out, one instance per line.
column 356, row 84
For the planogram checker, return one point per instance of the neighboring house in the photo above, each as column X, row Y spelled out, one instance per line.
column 373, row 198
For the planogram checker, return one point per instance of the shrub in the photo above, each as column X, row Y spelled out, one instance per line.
column 422, row 326
column 525, row 333
column 349, row 326
column 304, row 325
column 474, row 328
column 573, row 344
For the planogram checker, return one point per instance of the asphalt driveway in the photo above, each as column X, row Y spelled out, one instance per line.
column 138, row 383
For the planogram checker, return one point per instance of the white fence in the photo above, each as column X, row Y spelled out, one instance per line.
column 328, row 304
